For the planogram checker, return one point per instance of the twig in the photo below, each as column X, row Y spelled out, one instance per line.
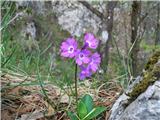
column 92, row 9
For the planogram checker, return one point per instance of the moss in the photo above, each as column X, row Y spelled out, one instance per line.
column 150, row 75
column 152, row 61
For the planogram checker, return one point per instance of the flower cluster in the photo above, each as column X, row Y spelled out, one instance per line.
column 84, row 57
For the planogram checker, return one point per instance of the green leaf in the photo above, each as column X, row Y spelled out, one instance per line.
column 94, row 113
column 88, row 101
column 81, row 109
column 72, row 116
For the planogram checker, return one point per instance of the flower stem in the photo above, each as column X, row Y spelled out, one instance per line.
column 76, row 91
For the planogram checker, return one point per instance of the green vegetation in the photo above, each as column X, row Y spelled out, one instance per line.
column 85, row 109
column 149, row 47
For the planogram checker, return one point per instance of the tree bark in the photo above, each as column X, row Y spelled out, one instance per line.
column 157, row 40
column 108, row 25
column 135, row 19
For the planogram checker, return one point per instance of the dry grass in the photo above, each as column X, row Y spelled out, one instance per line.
column 28, row 102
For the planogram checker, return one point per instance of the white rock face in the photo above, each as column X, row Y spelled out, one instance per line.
column 75, row 18
column 145, row 107
column 104, row 36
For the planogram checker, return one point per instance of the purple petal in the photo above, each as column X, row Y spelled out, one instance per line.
column 82, row 76
column 86, row 60
column 72, row 55
column 91, row 40
column 78, row 61
column 65, row 54
column 64, row 45
column 88, row 37
column 94, row 67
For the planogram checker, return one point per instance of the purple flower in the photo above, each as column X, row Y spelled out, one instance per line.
column 90, row 40
column 94, row 62
column 82, row 56
column 85, row 72
column 87, row 61
column 69, row 48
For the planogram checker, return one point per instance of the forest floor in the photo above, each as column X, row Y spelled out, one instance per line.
column 22, row 100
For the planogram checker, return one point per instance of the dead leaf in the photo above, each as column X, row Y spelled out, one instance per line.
column 50, row 109
column 6, row 115
column 32, row 116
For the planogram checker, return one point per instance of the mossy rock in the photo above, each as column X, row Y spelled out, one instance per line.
column 149, row 76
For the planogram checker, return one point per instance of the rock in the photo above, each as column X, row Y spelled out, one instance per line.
column 38, row 6
column 145, row 107
column 141, row 101
column 75, row 18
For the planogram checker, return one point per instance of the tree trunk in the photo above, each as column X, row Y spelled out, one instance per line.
column 108, row 25
column 157, row 40
column 135, row 17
